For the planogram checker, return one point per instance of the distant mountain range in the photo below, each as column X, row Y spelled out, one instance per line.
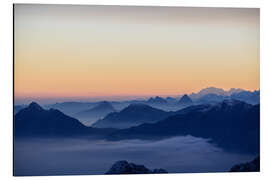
column 133, row 115
column 230, row 124
column 91, row 115
column 34, row 121
column 214, row 95
column 210, row 95
column 214, row 90
column 157, row 100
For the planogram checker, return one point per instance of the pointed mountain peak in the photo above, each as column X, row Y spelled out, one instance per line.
column 104, row 105
column 157, row 99
column 185, row 96
column 185, row 99
column 136, row 107
column 34, row 105
column 104, row 102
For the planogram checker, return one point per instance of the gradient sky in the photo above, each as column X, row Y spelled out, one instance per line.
column 64, row 51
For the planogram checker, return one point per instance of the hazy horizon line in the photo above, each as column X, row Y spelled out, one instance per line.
column 59, row 99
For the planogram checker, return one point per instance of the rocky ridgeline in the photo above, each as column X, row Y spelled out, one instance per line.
column 124, row 167
column 253, row 166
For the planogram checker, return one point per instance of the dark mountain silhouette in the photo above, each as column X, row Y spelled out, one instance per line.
column 133, row 115
column 17, row 108
column 185, row 100
column 89, row 116
column 157, row 100
column 34, row 121
column 124, row 167
column 253, row 166
column 231, row 124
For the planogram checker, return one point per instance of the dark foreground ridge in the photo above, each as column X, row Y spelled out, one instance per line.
column 123, row 167
column 253, row 166
column 34, row 121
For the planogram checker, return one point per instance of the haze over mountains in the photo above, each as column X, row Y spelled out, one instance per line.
column 230, row 123
column 133, row 115
column 90, row 112
column 99, row 111
column 217, row 91
column 214, row 95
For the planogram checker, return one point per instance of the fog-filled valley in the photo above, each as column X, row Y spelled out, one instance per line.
column 76, row 156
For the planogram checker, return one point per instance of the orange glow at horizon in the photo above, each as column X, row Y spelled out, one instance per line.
column 91, row 51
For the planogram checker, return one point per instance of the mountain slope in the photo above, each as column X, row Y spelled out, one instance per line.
column 17, row 108
column 185, row 100
column 133, row 115
column 89, row 116
column 253, row 166
column 233, row 125
column 34, row 121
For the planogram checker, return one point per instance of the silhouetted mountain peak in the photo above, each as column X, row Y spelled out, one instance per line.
column 104, row 105
column 34, row 120
column 34, row 106
column 139, row 107
column 185, row 100
column 132, row 115
column 157, row 99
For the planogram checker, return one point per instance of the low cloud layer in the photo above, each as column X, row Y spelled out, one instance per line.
column 73, row 156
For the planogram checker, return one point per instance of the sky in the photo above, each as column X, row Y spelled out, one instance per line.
column 76, row 52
